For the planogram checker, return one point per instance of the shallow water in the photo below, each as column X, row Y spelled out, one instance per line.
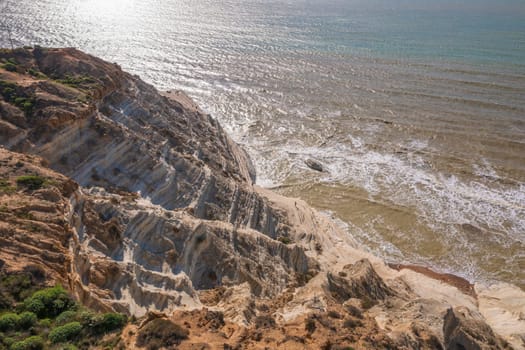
column 415, row 109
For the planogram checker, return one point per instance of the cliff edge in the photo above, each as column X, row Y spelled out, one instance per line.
column 140, row 203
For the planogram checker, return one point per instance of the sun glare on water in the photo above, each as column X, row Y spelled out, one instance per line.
column 103, row 8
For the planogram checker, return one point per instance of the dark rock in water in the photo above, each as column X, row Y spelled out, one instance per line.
column 313, row 164
column 359, row 280
column 465, row 329
column 471, row 229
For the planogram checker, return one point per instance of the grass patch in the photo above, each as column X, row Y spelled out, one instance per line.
column 15, row 95
column 77, row 81
column 6, row 187
column 284, row 240
column 31, row 182
column 9, row 67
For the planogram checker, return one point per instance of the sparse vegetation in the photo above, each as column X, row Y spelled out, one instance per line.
column 309, row 325
column 284, row 239
column 161, row 333
column 367, row 303
column 77, row 81
column 49, row 318
column 334, row 314
column 16, row 95
column 354, row 311
column 6, row 187
column 9, row 67
column 31, row 182
column 352, row 323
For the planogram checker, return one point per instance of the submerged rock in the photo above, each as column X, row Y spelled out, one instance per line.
column 314, row 165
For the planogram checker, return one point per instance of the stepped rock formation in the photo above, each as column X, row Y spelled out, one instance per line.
column 147, row 206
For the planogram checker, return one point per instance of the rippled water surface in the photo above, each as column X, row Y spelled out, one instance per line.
column 416, row 109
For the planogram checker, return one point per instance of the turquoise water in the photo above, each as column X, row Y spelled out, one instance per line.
column 415, row 108
column 459, row 36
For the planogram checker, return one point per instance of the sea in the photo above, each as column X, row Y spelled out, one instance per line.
column 414, row 108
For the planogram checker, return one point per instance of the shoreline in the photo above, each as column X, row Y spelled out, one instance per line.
column 462, row 284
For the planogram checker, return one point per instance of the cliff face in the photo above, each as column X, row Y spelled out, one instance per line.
column 161, row 214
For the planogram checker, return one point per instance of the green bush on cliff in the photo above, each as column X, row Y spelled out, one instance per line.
column 32, row 343
column 66, row 332
column 16, row 95
column 76, row 80
column 65, row 317
column 9, row 66
column 27, row 320
column 49, row 302
column 32, row 182
column 108, row 322
column 9, row 321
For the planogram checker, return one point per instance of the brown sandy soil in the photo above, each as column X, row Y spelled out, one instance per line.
column 460, row 283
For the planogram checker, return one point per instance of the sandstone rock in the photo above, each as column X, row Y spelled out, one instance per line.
column 359, row 280
column 465, row 329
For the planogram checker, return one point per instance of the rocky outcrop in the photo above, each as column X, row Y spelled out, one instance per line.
column 465, row 329
column 104, row 127
column 33, row 231
column 358, row 280
column 143, row 203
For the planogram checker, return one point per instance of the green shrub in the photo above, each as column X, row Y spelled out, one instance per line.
column 87, row 318
column 66, row 332
column 8, row 341
column 111, row 321
column 77, row 81
column 68, row 347
column 10, row 67
column 31, row 343
column 161, row 333
column 15, row 286
column 45, row 323
column 33, row 72
column 32, row 182
column 9, row 321
column 49, row 302
column 65, row 317
column 27, row 319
